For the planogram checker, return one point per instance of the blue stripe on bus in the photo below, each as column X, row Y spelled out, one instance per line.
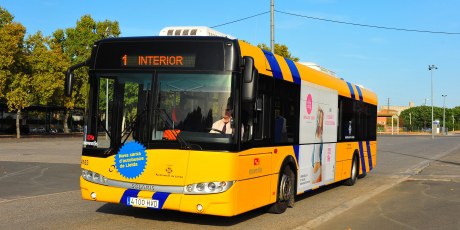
column 296, row 152
column 352, row 92
column 274, row 66
column 128, row 193
column 359, row 93
column 369, row 154
column 294, row 71
column 161, row 197
column 361, row 153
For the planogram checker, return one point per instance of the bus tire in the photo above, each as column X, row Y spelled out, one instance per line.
column 285, row 196
column 354, row 172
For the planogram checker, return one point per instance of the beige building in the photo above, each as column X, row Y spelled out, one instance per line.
column 386, row 111
column 394, row 109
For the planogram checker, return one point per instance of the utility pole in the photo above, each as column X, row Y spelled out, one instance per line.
column 272, row 25
column 388, row 105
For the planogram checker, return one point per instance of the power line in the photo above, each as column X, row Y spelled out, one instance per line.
column 340, row 22
column 365, row 25
column 242, row 19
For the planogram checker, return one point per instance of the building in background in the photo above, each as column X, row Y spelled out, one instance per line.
column 385, row 113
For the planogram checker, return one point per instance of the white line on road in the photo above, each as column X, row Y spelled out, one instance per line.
column 32, row 197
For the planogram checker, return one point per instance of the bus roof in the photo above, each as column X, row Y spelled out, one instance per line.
column 276, row 66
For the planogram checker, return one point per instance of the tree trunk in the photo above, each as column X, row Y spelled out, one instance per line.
column 18, row 126
column 66, row 117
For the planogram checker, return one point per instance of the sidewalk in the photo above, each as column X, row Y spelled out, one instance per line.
column 427, row 200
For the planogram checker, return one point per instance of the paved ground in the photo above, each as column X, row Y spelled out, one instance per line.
column 429, row 199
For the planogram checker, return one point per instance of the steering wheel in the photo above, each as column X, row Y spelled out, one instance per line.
column 219, row 131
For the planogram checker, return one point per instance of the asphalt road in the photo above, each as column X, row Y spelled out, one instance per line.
column 427, row 199
column 39, row 190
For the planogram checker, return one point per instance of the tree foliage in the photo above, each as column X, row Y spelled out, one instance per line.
column 281, row 50
column 11, row 50
column 48, row 64
column 420, row 117
column 32, row 70
column 15, row 79
column 77, row 44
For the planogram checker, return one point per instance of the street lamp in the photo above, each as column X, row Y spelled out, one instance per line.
column 453, row 123
column 444, row 114
column 410, row 121
column 431, row 68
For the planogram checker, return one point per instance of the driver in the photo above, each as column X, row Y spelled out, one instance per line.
column 223, row 125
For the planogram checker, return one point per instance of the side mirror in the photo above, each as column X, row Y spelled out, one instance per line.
column 69, row 77
column 68, row 84
column 250, row 75
column 248, row 68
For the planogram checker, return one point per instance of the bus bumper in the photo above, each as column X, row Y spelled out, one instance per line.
column 219, row 204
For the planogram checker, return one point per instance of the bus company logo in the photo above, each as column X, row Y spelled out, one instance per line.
column 256, row 161
column 309, row 104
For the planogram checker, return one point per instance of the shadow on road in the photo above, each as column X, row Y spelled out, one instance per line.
column 175, row 216
column 197, row 219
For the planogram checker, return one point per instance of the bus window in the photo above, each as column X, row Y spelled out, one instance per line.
column 286, row 122
column 347, row 123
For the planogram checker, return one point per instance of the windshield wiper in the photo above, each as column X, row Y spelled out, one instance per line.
column 170, row 125
column 105, row 130
column 133, row 124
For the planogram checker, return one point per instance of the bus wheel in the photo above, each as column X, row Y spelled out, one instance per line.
column 286, row 194
column 354, row 172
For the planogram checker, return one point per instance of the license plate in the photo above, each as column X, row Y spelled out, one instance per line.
column 143, row 203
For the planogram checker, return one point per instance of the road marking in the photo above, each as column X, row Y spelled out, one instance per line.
column 3, row 200
column 312, row 224
column 427, row 179
column 19, row 172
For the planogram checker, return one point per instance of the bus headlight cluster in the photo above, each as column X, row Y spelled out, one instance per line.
column 93, row 177
column 208, row 187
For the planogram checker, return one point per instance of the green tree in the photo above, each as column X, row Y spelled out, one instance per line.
column 15, row 84
column 9, row 50
column 281, row 50
column 77, row 44
column 456, row 118
column 420, row 117
column 48, row 64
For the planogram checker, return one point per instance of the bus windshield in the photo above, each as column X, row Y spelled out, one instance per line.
column 191, row 106
column 161, row 108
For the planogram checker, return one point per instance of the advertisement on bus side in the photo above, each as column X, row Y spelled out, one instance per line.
column 318, row 136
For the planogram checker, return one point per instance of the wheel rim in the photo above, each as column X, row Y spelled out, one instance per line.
column 285, row 187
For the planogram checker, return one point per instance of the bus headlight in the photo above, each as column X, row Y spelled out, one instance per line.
column 93, row 177
column 208, row 187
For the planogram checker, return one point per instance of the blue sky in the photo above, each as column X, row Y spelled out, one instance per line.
column 392, row 63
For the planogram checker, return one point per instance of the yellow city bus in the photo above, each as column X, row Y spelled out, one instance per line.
column 154, row 135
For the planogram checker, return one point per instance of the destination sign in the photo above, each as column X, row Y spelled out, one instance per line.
column 158, row 61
